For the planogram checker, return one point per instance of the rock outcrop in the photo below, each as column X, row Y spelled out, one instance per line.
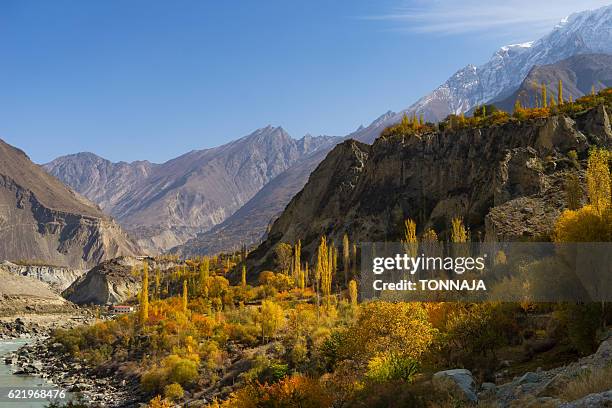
column 59, row 278
column 458, row 382
column 112, row 282
column 506, row 182
column 43, row 220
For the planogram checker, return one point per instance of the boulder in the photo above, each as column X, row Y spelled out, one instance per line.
column 459, row 382
column 602, row 399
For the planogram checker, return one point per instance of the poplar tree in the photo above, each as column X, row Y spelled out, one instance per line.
column 517, row 106
column 324, row 269
column 598, row 179
column 353, row 292
column 185, row 296
column 157, row 283
column 297, row 261
column 346, row 257
column 144, row 294
column 409, row 237
column 458, row 231
column 560, row 93
column 354, row 260
column 544, row 97
column 301, row 277
column 573, row 191
column 244, row 282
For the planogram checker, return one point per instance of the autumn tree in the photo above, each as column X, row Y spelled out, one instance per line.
column 458, row 231
column 353, row 292
column 204, row 270
column 144, row 294
column 324, row 269
column 157, row 283
column 346, row 257
column 598, row 179
column 409, row 239
column 573, row 191
column 271, row 319
column 544, row 97
column 560, row 93
column 284, row 256
column 297, row 261
column 185, row 296
column 243, row 277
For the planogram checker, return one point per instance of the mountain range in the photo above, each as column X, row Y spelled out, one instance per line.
column 578, row 75
column 580, row 33
column 43, row 220
column 163, row 205
column 217, row 199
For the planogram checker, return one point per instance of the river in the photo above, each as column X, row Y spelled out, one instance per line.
column 8, row 380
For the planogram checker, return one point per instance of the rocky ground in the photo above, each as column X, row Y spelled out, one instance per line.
column 40, row 358
column 532, row 389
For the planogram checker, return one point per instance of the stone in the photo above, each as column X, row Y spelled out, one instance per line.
column 602, row 399
column 459, row 382
column 529, row 377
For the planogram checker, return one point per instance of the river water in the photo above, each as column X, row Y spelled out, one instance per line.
column 9, row 381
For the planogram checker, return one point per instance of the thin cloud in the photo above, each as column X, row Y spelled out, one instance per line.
column 448, row 17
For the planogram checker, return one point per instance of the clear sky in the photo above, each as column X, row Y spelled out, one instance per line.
column 138, row 79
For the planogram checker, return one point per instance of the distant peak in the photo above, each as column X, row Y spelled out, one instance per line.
column 387, row 115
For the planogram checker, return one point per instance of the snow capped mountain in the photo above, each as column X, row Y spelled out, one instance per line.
column 584, row 32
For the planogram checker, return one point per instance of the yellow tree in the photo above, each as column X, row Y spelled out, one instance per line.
column 302, row 277
column 243, row 280
column 409, row 238
column 544, row 98
column 157, row 283
column 271, row 319
column 517, row 106
column 353, row 292
column 346, row 257
column 185, row 296
column 297, row 261
column 324, row 269
column 598, row 179
column 458, row 231
column 560, row 93
column 144, row 295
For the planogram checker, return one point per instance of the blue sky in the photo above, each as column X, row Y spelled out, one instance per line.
column 137, row 79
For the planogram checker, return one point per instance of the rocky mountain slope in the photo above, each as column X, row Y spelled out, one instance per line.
column 506, row 181
column 166, row 204
column 249, row 224
column 41, row 219
column 578, row 74
column 584, row 32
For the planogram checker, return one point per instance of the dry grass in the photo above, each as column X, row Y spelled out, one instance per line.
column 595, row 381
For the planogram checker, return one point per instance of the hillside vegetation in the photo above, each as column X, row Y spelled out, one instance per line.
column 206, row 333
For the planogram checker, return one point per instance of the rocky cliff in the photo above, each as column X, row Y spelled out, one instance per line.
column 59, row 278
column 41, row 219
column 506, row 181
column 113, row 281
